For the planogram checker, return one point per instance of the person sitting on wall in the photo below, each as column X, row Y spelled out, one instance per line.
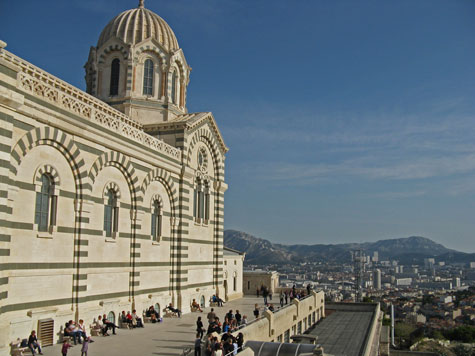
column 154, row 314
column 100, row 325
column 174, row 310
column 109, row 324
column 124, row 320
column 196, row 306
column 136, row 320
column 33, row 343
column 73, row 332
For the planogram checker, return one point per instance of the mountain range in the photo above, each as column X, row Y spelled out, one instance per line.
column 409, row 250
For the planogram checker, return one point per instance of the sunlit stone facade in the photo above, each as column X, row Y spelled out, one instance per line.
column 112, row 199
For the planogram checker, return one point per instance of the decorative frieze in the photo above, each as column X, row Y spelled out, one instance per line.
column 46, row 86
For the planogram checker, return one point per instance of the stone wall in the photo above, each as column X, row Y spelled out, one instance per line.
column 73, row 270
column 291, row 320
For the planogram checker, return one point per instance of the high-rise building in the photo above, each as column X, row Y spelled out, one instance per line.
column 377, row 279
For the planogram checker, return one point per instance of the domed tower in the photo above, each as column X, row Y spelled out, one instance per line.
column 138, row 68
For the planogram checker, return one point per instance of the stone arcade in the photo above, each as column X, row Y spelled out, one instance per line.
column 111, row 199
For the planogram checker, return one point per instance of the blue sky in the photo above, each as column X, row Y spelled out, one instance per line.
column 346, row 120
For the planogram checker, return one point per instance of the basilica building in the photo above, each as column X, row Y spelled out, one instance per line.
column 110, row 199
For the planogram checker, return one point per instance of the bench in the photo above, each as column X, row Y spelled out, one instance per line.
column 124, row 324
column 146, row 319
column 95, row 330
column 169, row 314
column 213, row 304
column 17, row 350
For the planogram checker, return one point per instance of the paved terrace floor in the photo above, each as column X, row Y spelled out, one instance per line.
column 342, row 333
column 165, row 339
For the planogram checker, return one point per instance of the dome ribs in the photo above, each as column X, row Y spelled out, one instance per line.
column 136, row 25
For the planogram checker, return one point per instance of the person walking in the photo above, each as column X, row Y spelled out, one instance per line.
column 211, row 316
column 256, row 311
column 198, row 344
column 64, row 349
column 281, row 299
column 199, row 327
column 85, row 346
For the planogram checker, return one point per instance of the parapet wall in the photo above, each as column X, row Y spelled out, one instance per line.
column 291, row 320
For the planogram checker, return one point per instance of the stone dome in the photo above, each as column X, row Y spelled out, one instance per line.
column 136, row 25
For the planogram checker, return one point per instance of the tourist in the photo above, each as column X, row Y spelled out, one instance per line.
column 174, row 310
column 228, row 346
column 244, row 320
column 109, row 324
column 256, row 311
column 226, row 325
column 198, row 345
column 100, row 325
column 219, row 350
column 230, row 315
column 199, row 327
column 196, row 306
column 240, row 341
column 218, row 300
column 33, row 343
column 257, row 292
column 153, row 314
column 85, row 346
column 136, row 320
column 125, row 320
column 72, row 331
column 238, row 318
column 82, row 329
column 265, row 294
column 211, row 316
column 286, row 295
column 281, row 298
column 64, row 349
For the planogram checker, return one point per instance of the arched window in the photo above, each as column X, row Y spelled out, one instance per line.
column 148, row 77
column 111, row 317
column 45, row 208
column 201, row 202
column 111, row 214
column 174, row 87
column 156, row 220
column 115, row 74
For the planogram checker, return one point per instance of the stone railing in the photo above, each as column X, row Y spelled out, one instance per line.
column 47, row 87
column 273, row 326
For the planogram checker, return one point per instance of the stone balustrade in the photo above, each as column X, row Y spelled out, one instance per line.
column 290, row 320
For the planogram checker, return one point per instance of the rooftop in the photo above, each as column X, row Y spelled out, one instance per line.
column 344, row 330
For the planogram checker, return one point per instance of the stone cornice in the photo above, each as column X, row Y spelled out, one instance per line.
column 45, row 86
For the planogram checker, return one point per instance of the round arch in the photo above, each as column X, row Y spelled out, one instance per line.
column 205, row 136
column 164, row 177
column 57, row 139
column 121, row 162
